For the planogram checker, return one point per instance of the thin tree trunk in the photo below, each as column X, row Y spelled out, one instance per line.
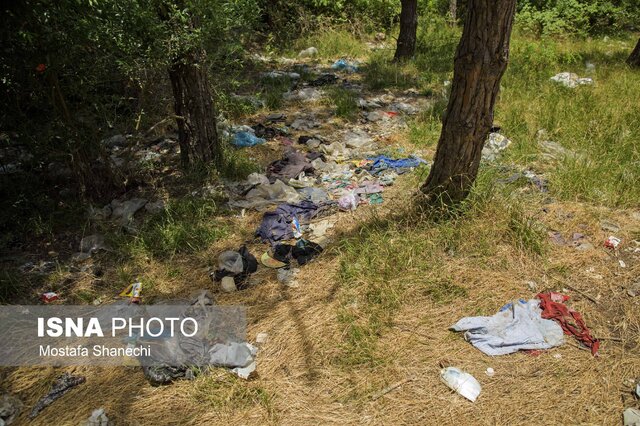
column 634, row 58
column 178, row 107
column 406, row 46
column 195, row 112
column 481, row 59
column 453, row 11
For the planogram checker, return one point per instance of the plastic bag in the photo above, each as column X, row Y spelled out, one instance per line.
column 463, row 383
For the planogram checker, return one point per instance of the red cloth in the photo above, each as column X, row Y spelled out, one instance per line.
column 570, row 320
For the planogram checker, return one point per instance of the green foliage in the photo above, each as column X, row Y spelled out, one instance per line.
column 345, row 102
column 186, row 226
column 575, row 17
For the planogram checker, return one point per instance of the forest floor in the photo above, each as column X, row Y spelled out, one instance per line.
column 374, row 309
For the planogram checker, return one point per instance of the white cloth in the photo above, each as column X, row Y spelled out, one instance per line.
column 515, row 327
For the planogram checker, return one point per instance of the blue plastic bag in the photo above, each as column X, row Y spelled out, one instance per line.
column 245, row 139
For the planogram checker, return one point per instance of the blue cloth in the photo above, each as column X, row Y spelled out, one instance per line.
column 276, row 225
column 382, row 162
column 245, row 139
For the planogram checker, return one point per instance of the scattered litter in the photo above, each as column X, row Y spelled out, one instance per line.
column 532, row 285
column 266, row 132
column 133, row 291
column 349, row 202
column 236, row 265
column 621, row 263
column 123, row 211
column 49, row 297
column 357, row 139
column 554, row 151
column 277, row 75
column 275, row 117
column 304, row 124
column 463, row 383
column 557, row 238
column 404, row 108
column 631, row 417
column 344, row 65
column 261, row 338
column 246, row 139
column 494, row 144
column 315, row 195
column 324, row 80
column 10, row 408
column 570, row 80
column 490, row 372
column 289, row 167
column 609, row 226
column 276, row 225
column 553, row 307
column 517, row 326
column 306, row 94
column 228, row 285
column 265, row 195
column 382, row 162
column 308, row 53
column 319, row 229
column 90, row 245
column 612, row 242
column 62, row 385
column 98, row 418
column 288, row 277
column 634, row 290
column 239, row 357
column 270, row 261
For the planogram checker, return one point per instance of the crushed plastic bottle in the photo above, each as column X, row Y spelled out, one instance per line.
column 463, row 383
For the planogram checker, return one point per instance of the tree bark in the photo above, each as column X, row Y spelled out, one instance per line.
column 195, row 112
column 481, row 59
column 634, row 58
column 453, row 11
column 406, row 45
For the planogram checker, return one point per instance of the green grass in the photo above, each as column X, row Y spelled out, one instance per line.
column 187, row 225
column 344, row 101
column 332, row 44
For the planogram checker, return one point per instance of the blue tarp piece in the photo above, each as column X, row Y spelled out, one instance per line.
column 382, row 162
column 246, row 139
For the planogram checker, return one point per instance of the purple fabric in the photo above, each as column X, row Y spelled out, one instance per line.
column 276, row 225
column 293, row 163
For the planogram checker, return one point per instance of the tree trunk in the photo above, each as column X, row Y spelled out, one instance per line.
column 453, row 11
column 634, row 58
column 406, row 46
column 195, row 112
column 481, row 59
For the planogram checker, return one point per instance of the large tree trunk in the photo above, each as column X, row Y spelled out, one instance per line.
column 195, row 113
column 634, row 58
column 406, row 46
column 480, row 62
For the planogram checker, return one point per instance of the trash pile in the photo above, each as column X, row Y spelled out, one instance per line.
column 313, row 180
column 166, row 362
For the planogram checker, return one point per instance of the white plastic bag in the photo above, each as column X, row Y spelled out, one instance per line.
column 463, row 383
